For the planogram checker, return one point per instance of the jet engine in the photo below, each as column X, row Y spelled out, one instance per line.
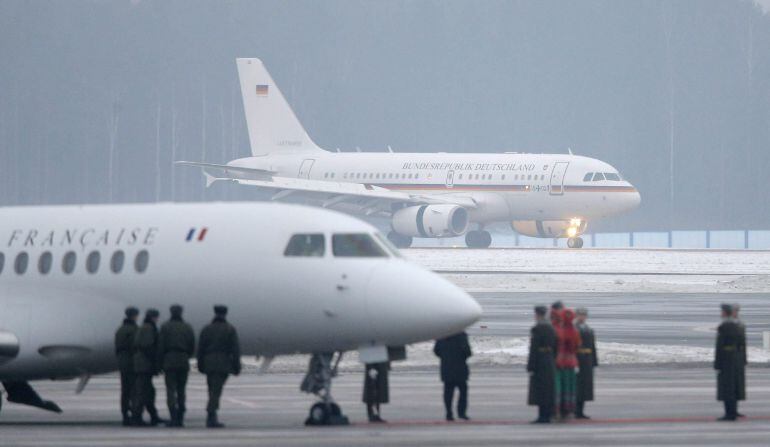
column 431, row 221
column 550, row 228
column 9, row 346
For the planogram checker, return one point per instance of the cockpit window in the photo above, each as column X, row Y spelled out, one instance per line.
column 612, row 176
column 359, row 245
column 306, row 245
column 598, row 176
column 388, row 245
column 588, row 177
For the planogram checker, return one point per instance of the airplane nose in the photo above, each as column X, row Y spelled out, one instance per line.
column 408, row 304
column 635, row 199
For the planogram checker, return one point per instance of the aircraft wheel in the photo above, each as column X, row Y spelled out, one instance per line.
column 575, row 242
column 478, row 239
column 399, row 240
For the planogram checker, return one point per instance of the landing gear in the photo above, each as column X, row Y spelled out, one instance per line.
column 318, row 380
column 399, row 240
column 575, row 242
column 478, row 239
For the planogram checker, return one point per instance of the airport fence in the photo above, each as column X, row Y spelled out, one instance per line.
column 696, row 239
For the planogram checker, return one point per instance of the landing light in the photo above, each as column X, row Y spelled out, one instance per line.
column 575, row 222
column 572, row 231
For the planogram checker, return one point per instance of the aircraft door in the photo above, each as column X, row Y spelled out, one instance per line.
column 305, row 167
column 450, row 179
column 557, row 178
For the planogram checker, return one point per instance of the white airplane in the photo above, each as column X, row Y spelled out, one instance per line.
column 296, row 279
column 426, row 195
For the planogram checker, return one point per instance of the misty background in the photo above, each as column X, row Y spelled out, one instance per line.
column 97, row 98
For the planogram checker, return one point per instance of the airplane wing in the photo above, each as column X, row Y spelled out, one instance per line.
column 351, row 197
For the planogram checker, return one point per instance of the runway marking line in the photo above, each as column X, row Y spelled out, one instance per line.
column 618, row 421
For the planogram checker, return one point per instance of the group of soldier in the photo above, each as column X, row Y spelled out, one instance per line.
column 145, row 351
column 562, row 356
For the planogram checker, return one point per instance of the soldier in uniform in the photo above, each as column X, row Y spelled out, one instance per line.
column 587, row 361
column 176, row 345
column 124, row 350
column 376, row 389
column 541, row 366
column 146, row 366
column 744, row 360
column 219, row 355
column 727, row 360
column 454, row 352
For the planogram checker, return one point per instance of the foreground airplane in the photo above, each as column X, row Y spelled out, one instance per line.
column 296, row 279
column 425, row 195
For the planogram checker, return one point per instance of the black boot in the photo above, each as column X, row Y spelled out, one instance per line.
column 172, row 419
column 156, row 420
column 137, row 421
column 212, row 421
column 126, row 420
column 579, row 414
column 180, row 418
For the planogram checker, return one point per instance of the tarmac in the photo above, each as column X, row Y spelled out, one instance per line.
column 661, row 404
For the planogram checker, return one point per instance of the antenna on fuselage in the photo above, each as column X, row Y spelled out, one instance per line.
column 358, row 149
column 338, row 150
column 569, row 149
column 390, row 149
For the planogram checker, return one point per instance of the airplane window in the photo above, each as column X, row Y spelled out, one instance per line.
column 22, row 261
column 141, row 261
column 378, row 175
column 588, row 177
column 332, row 175
column 356, row 245
column 45, row 262
column 307, row 245
column 117, row 261
column 326, row 175
column 388, row 245
column 2, row 262
column 598, row 176
column 416, row 176
column 529, row 177
column 542, row 176
column 92, row 262
column 612, row 177
column 68, row 262
column 460, row 177
column 503, row 177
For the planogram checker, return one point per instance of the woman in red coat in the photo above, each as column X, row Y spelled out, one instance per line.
column 568, row 338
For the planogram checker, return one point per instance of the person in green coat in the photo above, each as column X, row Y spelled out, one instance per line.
column 146, row 366
column 219, row 355
column 176, row 345
column 124, row 350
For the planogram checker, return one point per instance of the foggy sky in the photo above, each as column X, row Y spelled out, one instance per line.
column 630, row 82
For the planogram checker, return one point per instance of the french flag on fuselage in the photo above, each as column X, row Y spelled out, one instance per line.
column 262, row 90
column 196, row 234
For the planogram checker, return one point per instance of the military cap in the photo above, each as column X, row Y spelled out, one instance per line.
column 726, row 308
column 176, row 309
column 557, row 305
column 152, row 313
column 132, row 311
column 581, row 311
column 736, row 307
column 541, row 310
column 220, row 309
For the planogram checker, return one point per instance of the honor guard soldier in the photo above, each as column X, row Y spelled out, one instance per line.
column 744, row 358
column 376, row 389
column 219, row 355
column 146, row 366
column 124, row 350
column 541, row 366
column 587, row 361
column 176, row 345
column 454, row 352
column 727, row 361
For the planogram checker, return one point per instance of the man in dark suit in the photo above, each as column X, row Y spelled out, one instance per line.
column 728, row 361
column 454, row 352
column 541, row 366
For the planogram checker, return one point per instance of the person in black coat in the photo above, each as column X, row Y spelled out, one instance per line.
column 587, row 361
column 376, row 389
column 541, row 366
column 454, row 352
column 744, row 358
column 727, row 361
column 124, row 350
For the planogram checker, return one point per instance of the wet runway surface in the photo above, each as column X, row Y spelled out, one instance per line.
column 635, row 406
column 639, row 318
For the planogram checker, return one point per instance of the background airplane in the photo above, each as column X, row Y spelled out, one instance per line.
column 429, row 195
column 296, row 279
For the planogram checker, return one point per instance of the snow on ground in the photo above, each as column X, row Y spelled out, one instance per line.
column 661, row 271
column 505, row 351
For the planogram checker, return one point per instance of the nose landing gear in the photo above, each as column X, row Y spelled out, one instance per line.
column 318, row 381
column 575, row 242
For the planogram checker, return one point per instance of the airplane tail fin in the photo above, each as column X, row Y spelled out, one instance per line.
column 271, row 123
